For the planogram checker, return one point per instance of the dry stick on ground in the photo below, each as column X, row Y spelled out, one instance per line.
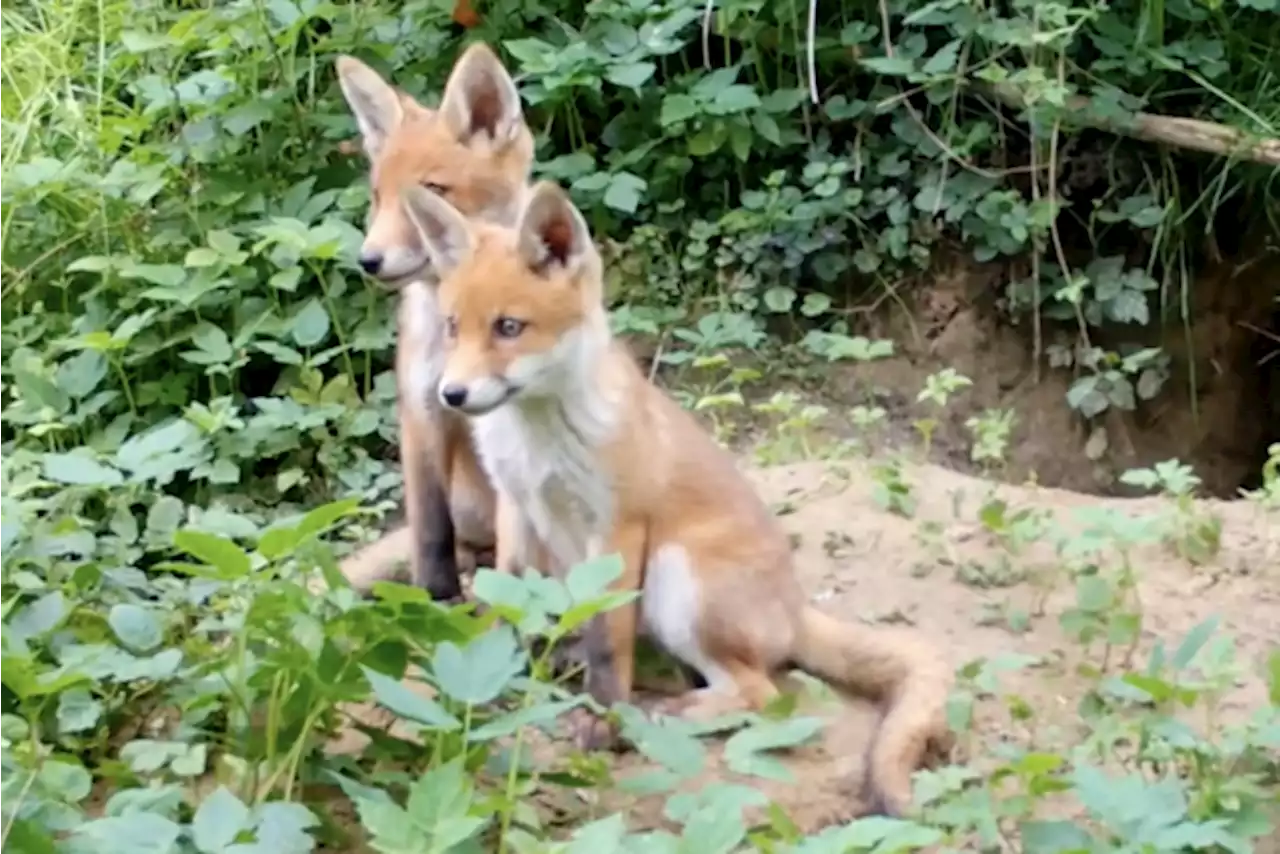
column 1193, row 134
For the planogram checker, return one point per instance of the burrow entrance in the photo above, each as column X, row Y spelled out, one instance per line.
column 1219, row 410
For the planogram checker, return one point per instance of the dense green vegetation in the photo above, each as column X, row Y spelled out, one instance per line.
column 194, row 372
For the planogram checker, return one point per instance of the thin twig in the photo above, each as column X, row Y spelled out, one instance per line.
column 812, row 50
column 706, row 34
column 1053, row 200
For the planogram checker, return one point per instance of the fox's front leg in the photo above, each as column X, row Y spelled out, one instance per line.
column 432, row 558
column 513, row 544
column 609, row 642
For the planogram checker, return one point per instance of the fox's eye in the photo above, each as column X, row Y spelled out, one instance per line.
column 508, row 327
column 438, row 189
column 451, row 326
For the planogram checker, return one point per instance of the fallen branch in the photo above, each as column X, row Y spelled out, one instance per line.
column 1194, row 134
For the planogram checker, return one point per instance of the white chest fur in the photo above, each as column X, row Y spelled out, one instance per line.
column 545, row 453
column 419, row 357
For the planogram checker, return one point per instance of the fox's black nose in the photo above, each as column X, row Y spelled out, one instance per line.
column 454, row 395
column 371, row 263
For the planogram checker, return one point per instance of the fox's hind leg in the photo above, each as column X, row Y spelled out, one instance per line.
column 728, row 658
column 751, row 690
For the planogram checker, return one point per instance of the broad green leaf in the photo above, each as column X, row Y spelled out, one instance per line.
column 407, row 703
column 715, row 829
column 393, row 830
column 191, row 760
column 229, row 559
column 219, row 819
column 735, row 99
column 779, row 299
column 478, row 672
column 41, row 616
column 542, row 713
column 135, row 833
column 599, row 836
column 501, row 589
column 1093, row 593
column 893, row 66
column 439, row 800
column 201, row 256
column 281, row 828
column 77, row 469
column 165, row 800
column 70, row 780
column 631, row 75
column 742, row 752
column 325, row 515
column 1194, row 641
column 590, row 579
column 311, row 324
column 147, row 756
column 90, row 264
column 27, row 836
column 678, row 108
column 625, row 191
column 1053, row 837
column 944, row 61
column 78, row 711
column 669, row 743
column 137, row 627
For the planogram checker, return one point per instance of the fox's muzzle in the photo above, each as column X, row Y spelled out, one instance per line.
column 477, row 397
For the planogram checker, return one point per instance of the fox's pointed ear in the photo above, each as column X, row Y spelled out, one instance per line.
column 553, row 234
column 377, row 106
column 443, row 229
column 480, row 96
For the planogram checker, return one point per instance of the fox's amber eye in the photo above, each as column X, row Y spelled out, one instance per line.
column 438, row 189
column 508, row 327
column 451, row 326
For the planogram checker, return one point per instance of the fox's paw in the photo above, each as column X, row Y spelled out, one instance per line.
column 569, row 655
column 701, row 705
column 442, row 584
column 589, row 731
column 941, row 749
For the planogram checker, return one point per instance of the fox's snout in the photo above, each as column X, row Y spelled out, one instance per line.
column 478, row 396
column 392, row 251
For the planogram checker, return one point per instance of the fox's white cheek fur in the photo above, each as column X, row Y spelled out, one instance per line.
column 529, row 373
column 542, row 448
column 555, row 370
column 420, row 331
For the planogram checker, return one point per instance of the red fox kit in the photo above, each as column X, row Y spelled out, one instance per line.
column 588, row 457
column 476, row 151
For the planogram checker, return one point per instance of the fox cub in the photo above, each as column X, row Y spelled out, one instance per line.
column 588, row 458
column 477, row 152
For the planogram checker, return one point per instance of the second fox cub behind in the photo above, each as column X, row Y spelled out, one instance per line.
column 477, row 151
column 588, row 457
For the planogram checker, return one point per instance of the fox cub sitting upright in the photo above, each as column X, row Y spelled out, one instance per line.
column 588, row 458
column 476, row 151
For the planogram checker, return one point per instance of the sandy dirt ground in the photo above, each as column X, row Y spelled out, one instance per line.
column 944, row 573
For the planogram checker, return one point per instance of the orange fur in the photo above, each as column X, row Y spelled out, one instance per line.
column 588, row 457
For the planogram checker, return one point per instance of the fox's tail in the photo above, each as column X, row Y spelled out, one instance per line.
column 379, row 560
column 909, row 679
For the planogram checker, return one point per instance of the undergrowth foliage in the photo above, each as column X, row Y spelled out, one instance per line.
column 194, row 373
